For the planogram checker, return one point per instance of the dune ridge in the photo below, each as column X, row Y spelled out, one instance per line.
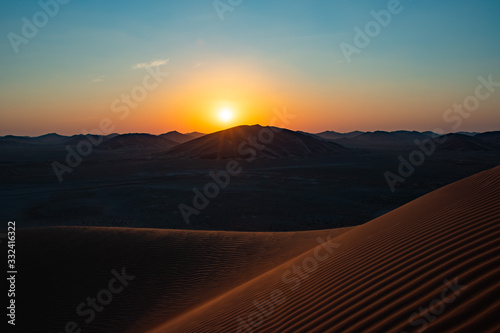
column 383, row 273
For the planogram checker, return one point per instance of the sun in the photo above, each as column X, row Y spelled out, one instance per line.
column 226, row 115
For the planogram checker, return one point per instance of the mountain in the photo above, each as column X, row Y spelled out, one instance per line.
column 468, row 133
column 331, row 135
column 463, row 142
column 26, row 141
column 75, row 139
column 384, row 140
column 235, row 143
column 12, row 141
column 224, row 144
column 179, row 137
column 137, row 141
column 492, row 138
column 51, row 139
column 196, row 134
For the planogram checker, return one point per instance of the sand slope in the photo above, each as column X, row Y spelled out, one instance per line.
column 383, row 274
column 376, row 277
column 175, row 271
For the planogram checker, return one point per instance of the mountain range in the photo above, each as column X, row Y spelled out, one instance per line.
column 234, row 142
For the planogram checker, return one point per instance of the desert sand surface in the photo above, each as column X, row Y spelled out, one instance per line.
column 301, row 182
column 174, row 271
column 431, row 264
column 382, row 273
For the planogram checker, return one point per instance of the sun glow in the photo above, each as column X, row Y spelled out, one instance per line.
column 226, row 115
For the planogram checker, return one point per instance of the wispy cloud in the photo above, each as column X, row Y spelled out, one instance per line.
column 150, row 64
column 98, row 79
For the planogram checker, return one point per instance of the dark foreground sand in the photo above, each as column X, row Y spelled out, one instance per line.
column 432, row 264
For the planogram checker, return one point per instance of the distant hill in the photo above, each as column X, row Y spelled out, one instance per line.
column 75, row 139
column 181, row 138
column 12, row 141
column 50, row 139
column 384, row 140
column 233, row 143
column 196, row 134
column 463, row 142
column 331, row 135
column 492, row 138
column 468, row 133
column 286, row 144
column 137, row 141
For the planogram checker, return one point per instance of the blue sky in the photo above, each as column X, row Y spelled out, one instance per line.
column 431, row 53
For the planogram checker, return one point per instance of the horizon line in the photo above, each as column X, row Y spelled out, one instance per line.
column 303, row 131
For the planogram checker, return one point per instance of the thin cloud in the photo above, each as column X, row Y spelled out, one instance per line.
column 153, row 63
column 98, row 79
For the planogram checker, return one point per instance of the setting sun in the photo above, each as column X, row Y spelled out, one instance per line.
column 226, row 115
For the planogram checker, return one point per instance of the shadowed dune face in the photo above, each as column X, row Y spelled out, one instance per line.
column 439, row 253
column 247, row 141
column 174, row 272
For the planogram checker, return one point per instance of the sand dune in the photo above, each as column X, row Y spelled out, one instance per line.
column 376, row 277
column 382, row 274
column 175, row 271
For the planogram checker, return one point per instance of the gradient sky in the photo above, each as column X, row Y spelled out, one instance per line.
column 263, row 55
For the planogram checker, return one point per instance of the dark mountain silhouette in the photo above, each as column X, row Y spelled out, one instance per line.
column 75, row 139
column 331, row 135
column 463, row 142
column 179, row 137
column 384, row 140
column 492, row 138
column 468, row 133
column 235, row 143
column 12, row 141
column 137, row 141
column 50, row 139
column 196, row 134
column 285, row 144
column 26, row 141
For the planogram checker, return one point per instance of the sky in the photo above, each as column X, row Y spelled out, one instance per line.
column 153, row 66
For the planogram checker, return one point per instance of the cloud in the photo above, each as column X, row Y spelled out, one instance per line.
column 151, row 64
column 98, row 79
